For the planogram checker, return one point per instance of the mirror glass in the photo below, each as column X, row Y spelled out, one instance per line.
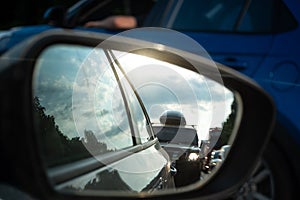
column 110, row 122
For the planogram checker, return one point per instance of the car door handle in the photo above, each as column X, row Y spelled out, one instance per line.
column 234, row 63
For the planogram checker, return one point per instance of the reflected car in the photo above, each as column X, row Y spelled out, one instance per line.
column 215, row 158
column 182, row 145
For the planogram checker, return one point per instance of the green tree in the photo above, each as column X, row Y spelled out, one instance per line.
column 57, row 147
column 228, row 126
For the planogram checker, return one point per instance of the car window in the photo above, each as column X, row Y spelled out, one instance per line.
column 264, row 16
column 80, row 111
column 158, row 13
column 98, row 10
column 284, row 19
column 177, row 135
column 258, row 17
column 215, row 15
column 138, row 118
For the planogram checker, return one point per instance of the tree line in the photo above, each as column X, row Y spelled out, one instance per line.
column 57, row 147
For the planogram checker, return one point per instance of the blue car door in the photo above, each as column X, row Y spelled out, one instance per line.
column 279, row 73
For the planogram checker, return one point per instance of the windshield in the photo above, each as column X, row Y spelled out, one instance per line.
column 177, row 135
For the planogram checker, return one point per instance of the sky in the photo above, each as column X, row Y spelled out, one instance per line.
column 164, row 86
column 75, row 85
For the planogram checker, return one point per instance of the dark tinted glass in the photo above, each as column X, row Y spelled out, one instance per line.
column 204, row 15
column 284, row 19
column 98, row 10
column 261, row 16
column 157, row 13
column 258, row 17
column 267, row 16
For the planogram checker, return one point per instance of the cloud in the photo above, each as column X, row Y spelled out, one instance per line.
column 81, row 93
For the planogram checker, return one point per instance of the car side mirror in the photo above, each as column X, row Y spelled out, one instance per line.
column 88, row 120
column 55, row 16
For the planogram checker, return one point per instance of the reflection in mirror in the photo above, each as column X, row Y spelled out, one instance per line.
column 113, row 121
column 192, row 116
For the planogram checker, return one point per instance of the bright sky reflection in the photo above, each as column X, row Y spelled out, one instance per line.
column 164, row 86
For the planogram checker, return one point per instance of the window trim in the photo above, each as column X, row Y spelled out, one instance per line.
column 174, row 14
column 125, row 101
column 145, row 113
column 62, row 173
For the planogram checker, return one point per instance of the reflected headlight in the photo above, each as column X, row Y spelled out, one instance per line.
column 193, row 157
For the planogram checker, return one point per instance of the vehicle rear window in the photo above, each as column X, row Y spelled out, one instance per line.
column 177, row 135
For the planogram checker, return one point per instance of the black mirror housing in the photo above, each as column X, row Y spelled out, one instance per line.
column 254, row 130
